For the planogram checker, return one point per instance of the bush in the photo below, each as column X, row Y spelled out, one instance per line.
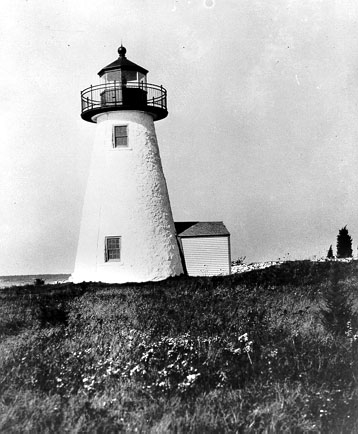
column 330, row 253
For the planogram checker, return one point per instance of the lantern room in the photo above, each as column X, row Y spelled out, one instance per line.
column 123, row 86
column 123, row 71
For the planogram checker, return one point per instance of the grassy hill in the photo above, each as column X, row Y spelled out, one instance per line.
column 273, row 350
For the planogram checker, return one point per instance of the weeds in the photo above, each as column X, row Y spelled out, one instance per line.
column 338, row 312
column 268, row 351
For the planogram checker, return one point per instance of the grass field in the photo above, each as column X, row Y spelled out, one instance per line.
column 273, row 350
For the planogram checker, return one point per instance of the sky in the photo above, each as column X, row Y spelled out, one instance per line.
column 262, row 131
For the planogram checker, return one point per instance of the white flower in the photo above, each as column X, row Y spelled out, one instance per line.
column 192, row 377
column 243, row 338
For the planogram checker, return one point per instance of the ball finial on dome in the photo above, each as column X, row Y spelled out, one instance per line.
column 122, row 51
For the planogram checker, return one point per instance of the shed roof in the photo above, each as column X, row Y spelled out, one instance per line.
column 201, row 229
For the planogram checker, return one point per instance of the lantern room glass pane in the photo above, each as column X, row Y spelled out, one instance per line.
column 124, row 77
column 142, row 78
column 128, row 76
column 113, row 76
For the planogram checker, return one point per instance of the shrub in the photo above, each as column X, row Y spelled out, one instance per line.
column 239, row 261
column 330, row 253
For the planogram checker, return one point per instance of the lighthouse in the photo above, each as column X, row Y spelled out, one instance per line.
column 127, row 233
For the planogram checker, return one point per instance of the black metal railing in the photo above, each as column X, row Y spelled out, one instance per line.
column 115, row 94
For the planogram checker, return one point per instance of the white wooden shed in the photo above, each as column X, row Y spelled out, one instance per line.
column 205, row 248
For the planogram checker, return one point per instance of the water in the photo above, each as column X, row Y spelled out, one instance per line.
column 28, row 279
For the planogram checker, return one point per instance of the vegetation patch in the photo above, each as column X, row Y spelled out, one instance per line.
column 272, row 350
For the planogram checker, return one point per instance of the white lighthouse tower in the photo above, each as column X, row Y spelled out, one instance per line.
column 127, row 231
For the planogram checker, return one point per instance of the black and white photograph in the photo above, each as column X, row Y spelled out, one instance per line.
column 179, row 216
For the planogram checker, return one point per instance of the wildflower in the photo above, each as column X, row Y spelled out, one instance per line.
column 243, row 338
column 134, row 370
column 192, row 377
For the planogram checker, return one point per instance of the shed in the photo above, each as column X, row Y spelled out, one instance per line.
column 205, row 248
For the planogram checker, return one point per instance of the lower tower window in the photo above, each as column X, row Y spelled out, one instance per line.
column 120, row 136
column 113, row 249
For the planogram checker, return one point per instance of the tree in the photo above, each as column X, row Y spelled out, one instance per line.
column 344, row 244
column 330, row 253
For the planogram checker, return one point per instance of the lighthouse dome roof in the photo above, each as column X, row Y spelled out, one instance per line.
column 122, row 63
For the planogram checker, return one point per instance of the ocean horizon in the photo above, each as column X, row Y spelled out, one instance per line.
column 7, row 281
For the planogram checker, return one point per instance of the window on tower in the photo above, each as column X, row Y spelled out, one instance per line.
column 113, row 249
column 120, row 136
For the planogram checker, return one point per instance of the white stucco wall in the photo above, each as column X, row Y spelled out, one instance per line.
column 127, row 196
